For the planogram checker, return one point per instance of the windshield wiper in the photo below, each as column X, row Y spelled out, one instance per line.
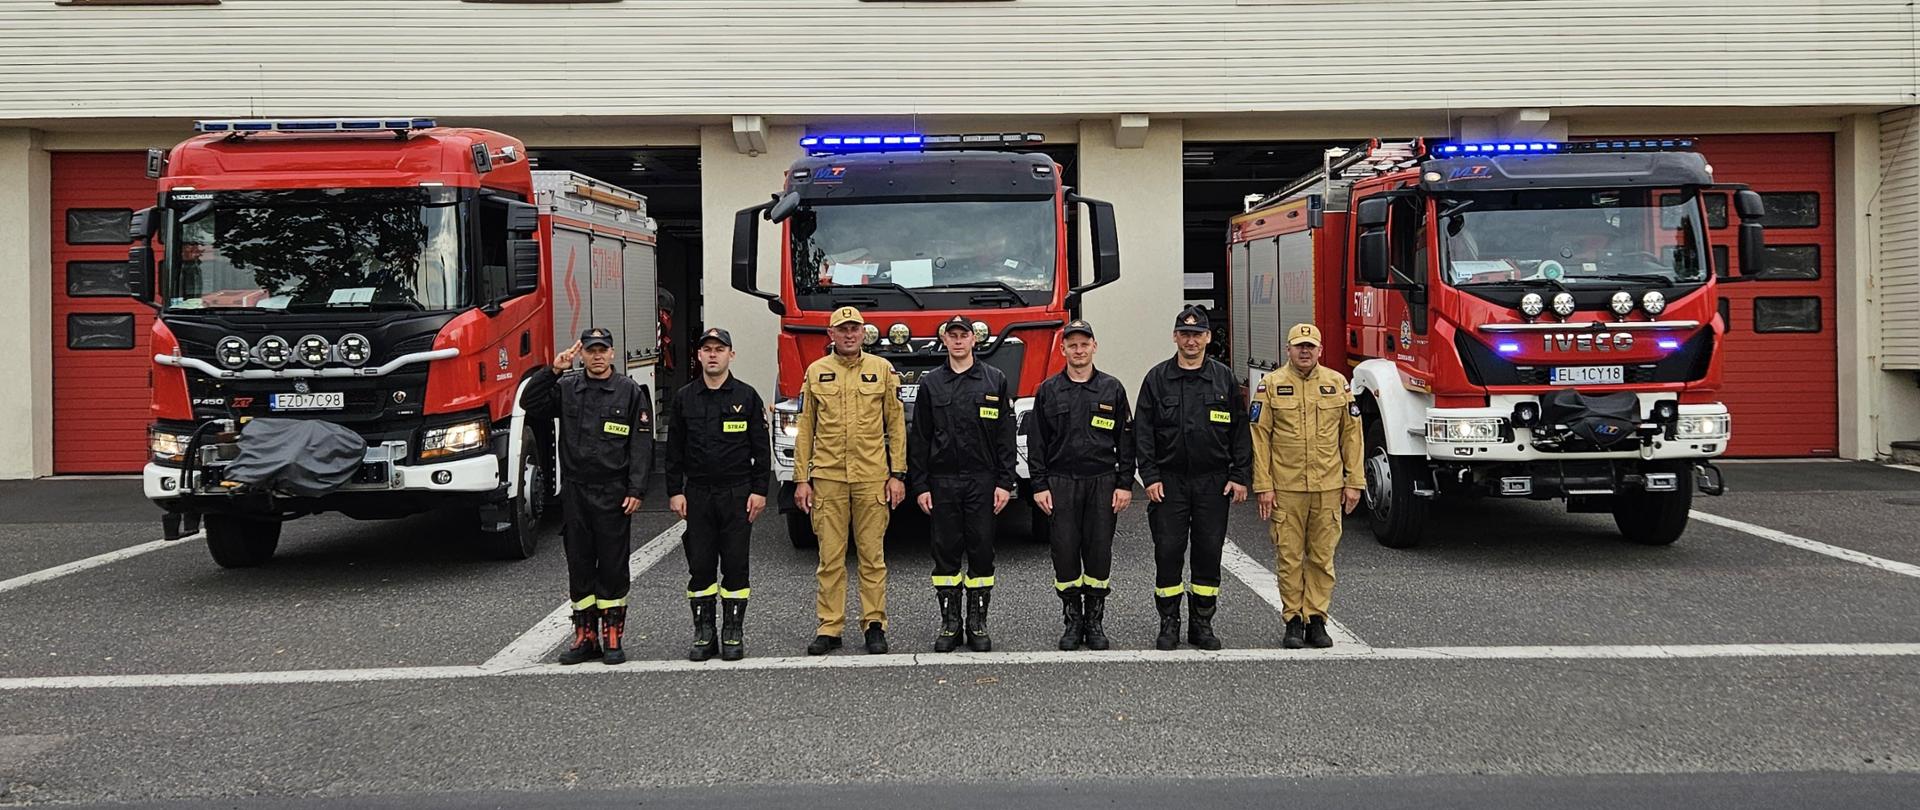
column 883, row 285
column 997, row 287
column 1651, row 277
column 369, row 305
column 1515, row 282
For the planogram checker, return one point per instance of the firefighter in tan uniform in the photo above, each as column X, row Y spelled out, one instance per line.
column 1306, row 474
column 850, row 467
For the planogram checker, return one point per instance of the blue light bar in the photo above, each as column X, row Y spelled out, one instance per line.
column 883, row 142
column 1509, row 348
column 315, row 125
column 1545, row 147
column 1669, row 344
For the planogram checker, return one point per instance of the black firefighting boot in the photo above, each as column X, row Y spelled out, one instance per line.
column 732, row 627
column 613, row 625
column 1296, row 637
column 586, row 638
column 977, row 601
column 950, row 627
column 1200, row 621
column 1073, row 615
column 1317, row 637
column 703, row 632
column 876, row 639
column 1169, row 607
column 1093, row 630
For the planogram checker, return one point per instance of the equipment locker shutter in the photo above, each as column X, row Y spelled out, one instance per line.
column 1263, row 309
column 1780, row 357
column 1237, row 308
column 102, row 366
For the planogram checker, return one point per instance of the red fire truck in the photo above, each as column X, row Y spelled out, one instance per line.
column 1526, row 320
column 912, row 233
column 388, row 276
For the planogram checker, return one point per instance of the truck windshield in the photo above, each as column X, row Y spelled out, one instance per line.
column 315, row 249
column 865, row 249
column 1572, row 237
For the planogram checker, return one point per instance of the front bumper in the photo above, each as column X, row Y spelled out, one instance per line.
column 479, row 474
column 1517, row 444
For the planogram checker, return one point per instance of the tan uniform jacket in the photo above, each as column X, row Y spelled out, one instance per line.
column 852, row 425
column 1306, row 432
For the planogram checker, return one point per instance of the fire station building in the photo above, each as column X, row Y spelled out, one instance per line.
column 1173, row 110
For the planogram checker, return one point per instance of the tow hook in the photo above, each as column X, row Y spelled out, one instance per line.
column 1707, row 479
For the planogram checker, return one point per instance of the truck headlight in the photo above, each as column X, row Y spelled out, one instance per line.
column 870, row 335
column 453, row 439
column 1531, row 305
column 899, row 334
column 786, row 418
column 1621, row 303
column 167, row 445
column 1483, row 429
column 1703, row 426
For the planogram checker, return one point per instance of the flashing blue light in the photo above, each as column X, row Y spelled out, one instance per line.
column 1668, row 344
column 1509, row 348
column 861, row 143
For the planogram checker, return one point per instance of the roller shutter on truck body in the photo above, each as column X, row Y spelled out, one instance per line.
column 1237, row 313
column 604, row 268
column 101, row 360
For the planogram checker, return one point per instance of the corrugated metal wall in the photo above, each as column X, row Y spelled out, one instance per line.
column 818, row 57
column 1899, row 238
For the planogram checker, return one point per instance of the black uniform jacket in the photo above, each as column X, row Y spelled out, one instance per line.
column 962, row 424
column 717, row 436
column 606, row 426
column 1080, row 430
column 1192, row 422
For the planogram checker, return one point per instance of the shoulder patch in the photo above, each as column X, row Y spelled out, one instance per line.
column 1260, row 389
column 1353, row 409
column 1253, row 412
column 825, row 376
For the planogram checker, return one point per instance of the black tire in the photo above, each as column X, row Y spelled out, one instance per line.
column 800, row 530
column 240, row 542
column 1655, row 518
column 521, row 538
column 1396, row 515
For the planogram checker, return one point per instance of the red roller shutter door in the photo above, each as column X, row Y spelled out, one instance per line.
column 101, row 360
column 1781, row 361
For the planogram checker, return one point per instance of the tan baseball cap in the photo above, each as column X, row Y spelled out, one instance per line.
column 1304, row 333
column 846, row 315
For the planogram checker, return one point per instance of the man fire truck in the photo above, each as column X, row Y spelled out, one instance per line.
column 911, row 234
column 1527, row 320
column 347, row 311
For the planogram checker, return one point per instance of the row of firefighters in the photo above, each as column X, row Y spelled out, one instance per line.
column 1195, row 445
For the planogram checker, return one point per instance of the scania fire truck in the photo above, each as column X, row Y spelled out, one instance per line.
column 912, row 229
column 392, row 277
column 1524, row 320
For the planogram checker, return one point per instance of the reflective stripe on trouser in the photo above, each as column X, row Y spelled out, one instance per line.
column 840, row 509
column 1191, row 514
column 1305, row 530
column 598, row 538
column 1081, row 533
column 962, row 525
column 717, row 536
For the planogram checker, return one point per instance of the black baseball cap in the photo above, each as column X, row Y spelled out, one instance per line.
column 956, row 322
column 716, row 333
column 1077, row 326
column 596, row 337
column 1192, row 319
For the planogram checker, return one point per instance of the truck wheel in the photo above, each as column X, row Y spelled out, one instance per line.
column 521, row 537
column 800, row 530
column 1655, row 518
column 238, row 542
column 1397, row 516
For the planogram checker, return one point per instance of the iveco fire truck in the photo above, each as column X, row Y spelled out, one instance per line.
column 912, row 229
column 389, row 276
column 1524, row 320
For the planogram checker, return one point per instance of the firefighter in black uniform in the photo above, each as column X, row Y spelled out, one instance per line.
column 1196, row 459
column 606, row 453
column 960, row 459
column 1080, row 451
column 717, row 463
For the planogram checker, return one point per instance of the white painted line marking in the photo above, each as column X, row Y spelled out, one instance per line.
column 534, row 645
column 1781, row 460
column 1907, row 467
column 1265, row 583
column 1004, row 659
column 94, row 561
column 1815, row 546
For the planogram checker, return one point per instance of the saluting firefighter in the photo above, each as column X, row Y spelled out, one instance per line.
column 717, row 463
column 1306, row 474
column 849, row 471
column 1080, row 451
column 606, row 454
column 1190, row 431
column 961, row 456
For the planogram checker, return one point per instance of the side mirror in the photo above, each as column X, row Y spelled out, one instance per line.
column 746, row 252
column 1373, row 252
column 1749, row 204
column 143, row 224
column 522, row 217
column 784, row 207
column 1753, row 249
column 1372, row 212
column 523, row 266
column 140, row 272
column 1106, row 242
